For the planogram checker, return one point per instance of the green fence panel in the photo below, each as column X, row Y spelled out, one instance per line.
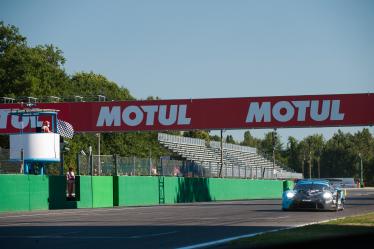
column 182, row 190
column 14, row 193
column 171, row 189
column 144, row 190
column 95, row 191
column 23, row 192
column 102, row 187
column 239, row 189
column 138, row 190
column 86, row 193
column 39, row 194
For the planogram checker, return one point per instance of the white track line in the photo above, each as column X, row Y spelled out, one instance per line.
column 223, row 241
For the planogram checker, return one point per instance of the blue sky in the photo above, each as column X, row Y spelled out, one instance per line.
column 207, row 49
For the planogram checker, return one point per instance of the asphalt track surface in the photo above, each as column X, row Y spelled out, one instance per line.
column 167, row 226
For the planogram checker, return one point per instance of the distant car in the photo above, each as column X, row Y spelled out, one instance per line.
column 349, row 183
column 343, row 182
column 315, row 195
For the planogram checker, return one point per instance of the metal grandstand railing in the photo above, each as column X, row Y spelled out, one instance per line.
column 238, row 161
column 235, row 147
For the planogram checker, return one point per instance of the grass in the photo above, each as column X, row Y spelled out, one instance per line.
column 345, row 227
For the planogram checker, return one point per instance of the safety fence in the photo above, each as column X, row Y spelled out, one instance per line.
column 107, row 165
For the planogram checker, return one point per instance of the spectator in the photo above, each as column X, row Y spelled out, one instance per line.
column 153, row 170
column 176, row 171
column 70, row 179
column 45, row 127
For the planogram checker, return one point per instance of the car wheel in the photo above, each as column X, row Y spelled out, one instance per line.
column 337, row 202
column 341, row 206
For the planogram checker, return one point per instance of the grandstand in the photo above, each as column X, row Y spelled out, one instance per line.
column 238, row 161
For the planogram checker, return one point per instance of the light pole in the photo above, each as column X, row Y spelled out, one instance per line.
column 361, row 171
column 310, row 159
column 98, row 154
column 319, row 162
column 220, row 170
column 274, row 143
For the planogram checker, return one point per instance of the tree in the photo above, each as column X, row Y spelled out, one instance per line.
column 292, row 154
column 339, row 158
column 230, row 139
column 312, row 147
column 201, row 134
column 249, row 140
column 9, row 36
column 90, row 85
column 267, row 144
column 27, row 71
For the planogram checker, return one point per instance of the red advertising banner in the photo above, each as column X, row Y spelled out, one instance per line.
column 209, row 114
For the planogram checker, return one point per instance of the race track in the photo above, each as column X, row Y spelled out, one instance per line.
column 169, row 226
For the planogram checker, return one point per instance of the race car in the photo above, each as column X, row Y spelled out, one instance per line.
column 313, row 194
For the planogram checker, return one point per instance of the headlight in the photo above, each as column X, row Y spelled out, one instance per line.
column 290, row 195
column 327, row 195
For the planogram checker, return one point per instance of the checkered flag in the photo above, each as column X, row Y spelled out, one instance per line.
column 65, row 129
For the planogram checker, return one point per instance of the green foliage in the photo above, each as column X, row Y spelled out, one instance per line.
column 292, row 153
column 197, row 134
column 249, row 140
column 230, row 139
column 27, row 71
column 9, row 36
column 91, row 85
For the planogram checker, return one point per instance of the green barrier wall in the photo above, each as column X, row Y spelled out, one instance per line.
column 95, row 191
column 23, row 192
column 143, row 190
column 35, row 192
column 102, row 191
column 30, row 192
column 237, row 189
column 91, row 192
column 181, row 190
column 137, row 190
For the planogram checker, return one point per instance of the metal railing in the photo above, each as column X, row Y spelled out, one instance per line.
column 237, row 159
column 133, row 166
